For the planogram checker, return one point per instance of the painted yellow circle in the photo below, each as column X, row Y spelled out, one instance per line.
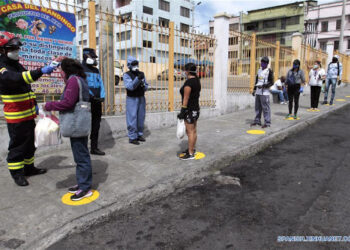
column 199, row 155
column 313, row 110
column 66, row 199
column 330, row 105
column 348, row 96
column 256, row 132
column 292, row 119
column 340, row 100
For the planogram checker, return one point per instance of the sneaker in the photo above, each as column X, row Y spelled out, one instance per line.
column 73, row 189
column 288, row 116
column 135, row 142
column 80, row 194
column 265, row 126
column 324, row 103
column 96, row 151
column 141, row 138
column 187, row 156
column 281, row 103
column 295, row 117
column 186, row 152
column 330, row 103
column 255, row 124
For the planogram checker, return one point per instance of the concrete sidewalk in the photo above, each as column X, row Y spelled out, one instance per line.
column 34, row 217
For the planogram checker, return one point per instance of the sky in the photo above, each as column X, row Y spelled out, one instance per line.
column 208, row 8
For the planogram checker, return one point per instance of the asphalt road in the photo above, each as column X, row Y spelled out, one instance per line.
column 298, row 187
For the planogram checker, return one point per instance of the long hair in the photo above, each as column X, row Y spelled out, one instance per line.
column 72, row 67
column 296, row 61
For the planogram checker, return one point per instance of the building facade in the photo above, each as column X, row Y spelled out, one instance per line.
column 143, row 42
column 323, row 24
column 277, row 23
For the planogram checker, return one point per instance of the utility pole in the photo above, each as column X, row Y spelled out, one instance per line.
column 108, row 54
column 341, row 42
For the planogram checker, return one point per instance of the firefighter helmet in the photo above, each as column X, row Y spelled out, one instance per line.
column 9, row 40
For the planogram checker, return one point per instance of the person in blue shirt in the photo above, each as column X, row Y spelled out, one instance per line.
column 334, row 72
column 97, row 95
column 136, row 85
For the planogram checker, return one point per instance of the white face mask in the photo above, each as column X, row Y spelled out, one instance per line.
column 90, row 61
column 134, row 68
column 315, row 66
column 14, row 55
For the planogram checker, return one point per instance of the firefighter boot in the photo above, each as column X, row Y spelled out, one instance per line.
column 18, row 177
column 30, row 170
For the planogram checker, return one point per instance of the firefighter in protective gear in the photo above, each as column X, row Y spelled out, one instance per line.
column 19, row 108
column 97, row 96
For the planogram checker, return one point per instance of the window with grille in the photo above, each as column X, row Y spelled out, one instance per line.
column 164, row 22
column 233, row 26
column 164, row 5
column 233, row 40
column 185, row 12
column 184, row 28
column 233, row 54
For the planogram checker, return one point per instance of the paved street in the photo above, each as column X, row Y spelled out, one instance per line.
column 297, row 187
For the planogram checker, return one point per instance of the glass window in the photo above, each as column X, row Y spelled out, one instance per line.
column 147, row 44
column 234, row 27
column 164, row 22
column 336, row 45
column 349, row 44
column 122, row 36
column 233, row 40
column 211, row 30
column 338, row 25
column 152, row 59
column 293, row 20
column 185, row 12
column 163, row 38
column 269, row 24
column 164, row 5
column 184, row 27
column 147, row 10
column 147, row 26
column 251, row 26
column 323, row 45
column 122, row 3
column 184, row 42
column 125, row 18
column 324, row 26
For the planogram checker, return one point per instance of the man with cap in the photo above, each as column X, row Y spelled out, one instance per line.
column 263, row 82
column 97, row 95
column 20, row 108
column 136, row 85
column 334, row 72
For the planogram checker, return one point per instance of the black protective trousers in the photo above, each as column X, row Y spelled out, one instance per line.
column 293, row 95
column 96, row 114
column 21, row 147
column 315, row 96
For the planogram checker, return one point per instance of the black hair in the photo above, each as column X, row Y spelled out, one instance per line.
column 319, row 63
column 283, row 78
column 72, row 67
column 296, row 61
column 191, row 68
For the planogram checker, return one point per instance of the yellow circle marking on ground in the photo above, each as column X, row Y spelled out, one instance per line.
column 256, row 132
column 292, row 119
column 199, row 155
column 348, row 96
column 340, row 100
column 329, row 105
column 66, row 199
column 313, row 110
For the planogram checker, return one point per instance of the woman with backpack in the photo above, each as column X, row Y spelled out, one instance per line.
column 294, row 84
column 74, row 78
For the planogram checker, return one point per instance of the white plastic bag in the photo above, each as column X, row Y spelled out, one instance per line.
column 181, row 129
column 47, row 130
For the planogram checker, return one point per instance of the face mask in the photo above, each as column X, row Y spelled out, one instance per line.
column 264, row 65
column 90, row 61
column 315, row 66
column 295, row 66
column 14, row 55
column 135, row 68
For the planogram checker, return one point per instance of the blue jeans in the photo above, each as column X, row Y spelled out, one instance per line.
column 280, row 94
column 333, row 82
column 135, row 116
column 82, row 159
column 285, row 94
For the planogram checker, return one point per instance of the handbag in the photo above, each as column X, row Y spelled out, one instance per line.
column 77, row 122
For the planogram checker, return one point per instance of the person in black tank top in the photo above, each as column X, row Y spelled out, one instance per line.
column 190, row 93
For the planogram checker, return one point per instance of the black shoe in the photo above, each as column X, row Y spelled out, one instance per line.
column 20, row 180
column 330, row 103
column 186, row 152
column 30, row 171
column 135, row 142
column 187, row 156
column 324, row 103
column 141, row 138
column 80, row 194
column 265, row 126
column 255, row 124
column 97, row 152
column 73, row 189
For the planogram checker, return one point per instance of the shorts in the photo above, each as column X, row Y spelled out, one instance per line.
column 192, row 116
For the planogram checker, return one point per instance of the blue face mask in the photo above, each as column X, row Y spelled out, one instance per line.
column 264, row 65
column 295, row 66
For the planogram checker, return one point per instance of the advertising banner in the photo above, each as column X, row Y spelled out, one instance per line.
column 45, row 33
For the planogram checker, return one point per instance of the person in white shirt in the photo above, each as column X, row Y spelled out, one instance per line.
column 277, row 88
column 316, row 76
column 263, row 82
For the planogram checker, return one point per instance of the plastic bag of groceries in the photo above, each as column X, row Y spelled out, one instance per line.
column 47, row 130
column 181, row 129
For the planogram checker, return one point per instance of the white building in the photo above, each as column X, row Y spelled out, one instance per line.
column 147, row 45
column 323, row 24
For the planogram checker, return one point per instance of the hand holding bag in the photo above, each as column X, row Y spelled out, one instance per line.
column 77, row 122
